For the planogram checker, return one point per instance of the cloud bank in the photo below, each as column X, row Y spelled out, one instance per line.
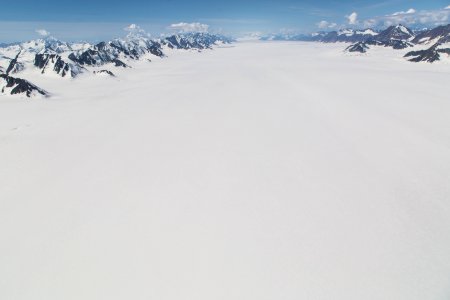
column 326, row 24
column 189, row 27
column 412, row 17
column 42, row 32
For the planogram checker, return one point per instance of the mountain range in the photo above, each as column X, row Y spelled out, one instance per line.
column 53, row 57
column 436, row 40
column 68, row 60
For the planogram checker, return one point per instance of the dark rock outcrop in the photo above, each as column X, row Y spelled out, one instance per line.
column 197, row 41
column 397, row 37
column 55, row 63
column 19, row 86
column 440, row 33
column 398, row 32
column 360, row 47
column 113, row 51
column 430, row 55
column 105, row 72
column 14, row 65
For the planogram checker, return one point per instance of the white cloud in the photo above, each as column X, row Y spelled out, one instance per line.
column 136, row 31
column 411, row 18
column 133, row 28
column 326, row 24
column 408, row 12
column 189, row 27
column 370, row 23
column 352, row 18
column 42, row 32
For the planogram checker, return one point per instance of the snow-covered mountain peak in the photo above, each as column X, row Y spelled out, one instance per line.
column 368, row 31
column 346, row 32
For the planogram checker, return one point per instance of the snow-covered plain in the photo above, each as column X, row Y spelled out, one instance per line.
column 276, row 170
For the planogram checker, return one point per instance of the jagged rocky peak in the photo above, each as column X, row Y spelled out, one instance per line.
column 359, row 47
column 54, row 62
column 398, row 32
column 116, row 50
column 15, row 66
column 430, row 55
column 439, row 34
column 16, row 86
column 135, row 46
column 46, row 45
column 53, row 56
column 396, row 37
column 393, row 43
column 194, row 40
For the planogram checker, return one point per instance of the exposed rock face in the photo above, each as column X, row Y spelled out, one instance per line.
column 399, row 44
column 68, row 59
column 440, row 36
column 14, row 65
column 393, row 43
column 54, row 62
column 430, row 55
column 105, row 72
column 135, row 47
column 397, row 37
column 398, row 32
column 360, row 47
column 113, row 51
column 15, row 86
column 440, row 33
column 198, row 41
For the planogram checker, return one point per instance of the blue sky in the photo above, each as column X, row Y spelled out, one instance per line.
column 101, row 19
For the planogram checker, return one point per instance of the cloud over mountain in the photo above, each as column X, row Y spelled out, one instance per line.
column 326, row 24
column 411, row 17
column 189, row 27
column 42, row 32
column 352, row 18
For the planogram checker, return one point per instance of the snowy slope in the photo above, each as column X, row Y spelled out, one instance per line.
column 54, row 58
column 257, row 171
